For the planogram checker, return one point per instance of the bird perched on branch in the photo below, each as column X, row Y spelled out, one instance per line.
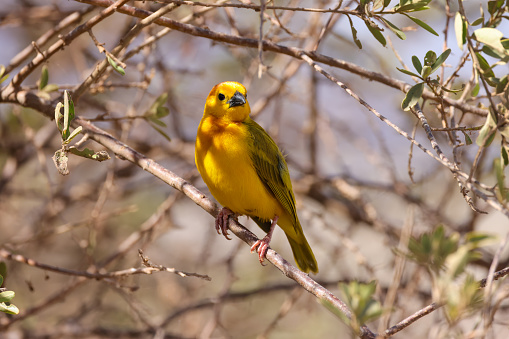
column 247, row 173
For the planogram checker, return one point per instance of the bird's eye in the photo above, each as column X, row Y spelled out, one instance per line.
column 221, row 96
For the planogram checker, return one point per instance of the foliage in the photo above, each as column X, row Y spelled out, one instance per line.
column 369, row 10
column 355, row 184
column 359, row 297
column 157, row 111
column 446, row 257
column 6, row 296
column 44, row 87
column 431, row 65
column 63, row 122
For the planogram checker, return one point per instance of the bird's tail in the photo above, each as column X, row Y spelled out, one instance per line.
column 302, row 252
column 303, row 255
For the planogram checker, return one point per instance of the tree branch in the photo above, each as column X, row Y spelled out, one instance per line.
column 290, row 51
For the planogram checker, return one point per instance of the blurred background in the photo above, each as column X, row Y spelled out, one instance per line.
column 359, row 184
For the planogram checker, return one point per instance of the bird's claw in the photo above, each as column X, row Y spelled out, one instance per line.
column 261, row 246
column 222, row 222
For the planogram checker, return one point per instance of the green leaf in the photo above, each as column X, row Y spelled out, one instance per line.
column 334, row 310
column 485, row 67
column 477, row 238
column 162, row 112
column 359, row 299
column 492, row 81
column 43, row 95
column 426, row 72
column 156, row 105
column 156, row 121
column 73, row 134
column 505, row 157
column 354, row 33
column 3, row 272
column 433, row 249
column 3, row 76
column 395, row 29
column 402, row 70
column 376, row 32
column 468, row 141
column 494, row 6
column 430, row 58
column 467, row 299
column 377, row 4
column 460, row 28
column 457, row 261
column 440, row 60
column 498, row 166
column 422, row 24
column 43, row 81
column 412, row 97
column 454, row 90
column 67, row 121
column 160, row 131
column 71, row 109
column 119, row 69
column 504, row 56
column 90, row 154
column 161, row 100
column 491, row 37
column 6, row 296
column 412, row 7
column 386, row 3
column 2, row 79
column 495, row 54
column 59, row 116
column 484, row 138
column 502, row 85
column 478, row 21
column 417, row 64
column 9, row 309
column 50, row 88
column 475, row 90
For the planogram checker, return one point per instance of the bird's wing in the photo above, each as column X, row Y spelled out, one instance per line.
column 270, row 165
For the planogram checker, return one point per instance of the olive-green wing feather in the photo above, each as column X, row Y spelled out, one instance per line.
column 270, row 165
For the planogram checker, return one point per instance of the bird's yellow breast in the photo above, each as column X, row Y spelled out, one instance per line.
column 222, row 157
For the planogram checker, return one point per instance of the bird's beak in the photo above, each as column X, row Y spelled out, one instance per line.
column 237, row 100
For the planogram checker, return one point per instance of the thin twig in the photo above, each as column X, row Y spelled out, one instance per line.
column 434, row 306
column 115, row 274
column 291, row 51
column 43, row 39
column 62, row 42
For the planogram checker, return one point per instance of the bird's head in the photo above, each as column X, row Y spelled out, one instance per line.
column 228, row 100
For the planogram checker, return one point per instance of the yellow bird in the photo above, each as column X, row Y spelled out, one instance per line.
column 246, row 172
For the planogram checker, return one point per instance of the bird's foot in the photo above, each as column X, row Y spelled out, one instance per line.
column 222, row 221
column 262, row 246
